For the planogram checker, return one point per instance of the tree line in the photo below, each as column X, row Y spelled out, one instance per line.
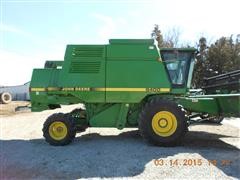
column 219, row 57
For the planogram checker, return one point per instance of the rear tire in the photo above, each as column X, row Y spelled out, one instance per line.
column 162, row 122
column 59, row 129
column 6, row 97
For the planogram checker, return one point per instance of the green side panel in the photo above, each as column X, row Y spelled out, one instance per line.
column 132, row 52
column 133, row 114
column 42, row 100
column 109, row 117
column 39, row 101
column 134, row 74
column 133, row 64
column 84, row 66
column 206, row 105
column 217, row 104
column 230, row 105
column 125, row 97
column 179, row 90
column 45, row 78
column 122, row 116
column 87, row 96
column 42, row 78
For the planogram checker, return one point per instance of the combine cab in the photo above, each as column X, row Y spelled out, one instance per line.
column 126, row 83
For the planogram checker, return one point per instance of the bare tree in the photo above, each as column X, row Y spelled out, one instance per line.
column 171, row 38
column 168, row 40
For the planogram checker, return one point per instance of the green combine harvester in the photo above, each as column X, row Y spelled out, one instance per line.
column 124, row 84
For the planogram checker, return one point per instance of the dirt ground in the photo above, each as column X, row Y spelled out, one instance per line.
column 9, row 109
column 209, row 151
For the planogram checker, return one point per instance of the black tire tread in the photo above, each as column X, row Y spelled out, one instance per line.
column 67, row 121
column 173, row 140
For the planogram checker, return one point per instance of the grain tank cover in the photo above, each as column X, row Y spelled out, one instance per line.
column 131, row 41
column 132, row 50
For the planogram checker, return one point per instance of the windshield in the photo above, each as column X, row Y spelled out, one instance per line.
column 177, row 64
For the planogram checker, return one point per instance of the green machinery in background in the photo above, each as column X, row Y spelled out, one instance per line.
column 126, row 83
column 228, row 84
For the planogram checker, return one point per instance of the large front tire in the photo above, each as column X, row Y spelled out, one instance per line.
column 59, row 129
column 162, row 122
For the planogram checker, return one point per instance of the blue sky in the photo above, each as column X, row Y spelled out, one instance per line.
column 32, row 31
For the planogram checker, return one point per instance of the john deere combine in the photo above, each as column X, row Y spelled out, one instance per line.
column 126, row 83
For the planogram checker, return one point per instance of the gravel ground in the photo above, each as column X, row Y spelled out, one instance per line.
column 209, row 151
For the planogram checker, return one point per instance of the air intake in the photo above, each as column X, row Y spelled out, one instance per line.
column 85, row 67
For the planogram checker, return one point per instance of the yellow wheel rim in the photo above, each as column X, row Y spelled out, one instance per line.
column 164, row 123
column 58, row 130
